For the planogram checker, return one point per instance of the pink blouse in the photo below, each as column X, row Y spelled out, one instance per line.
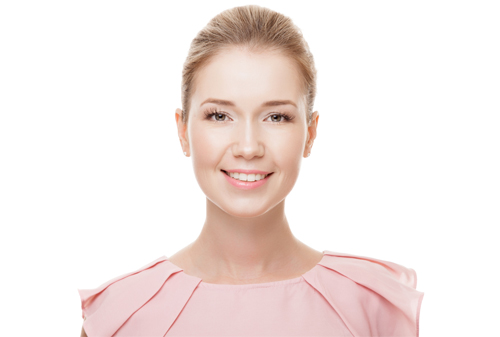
column 343, row 295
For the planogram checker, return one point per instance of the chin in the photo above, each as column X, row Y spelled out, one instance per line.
column 242, row 210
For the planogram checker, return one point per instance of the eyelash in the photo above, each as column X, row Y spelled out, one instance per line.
column 213, row 111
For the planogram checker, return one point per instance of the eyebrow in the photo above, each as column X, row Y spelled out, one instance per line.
column 265, row 104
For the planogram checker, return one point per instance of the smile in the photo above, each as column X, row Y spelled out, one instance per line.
column 246, row 181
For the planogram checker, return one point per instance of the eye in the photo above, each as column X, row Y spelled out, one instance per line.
column 219, row 116
column 280, row 117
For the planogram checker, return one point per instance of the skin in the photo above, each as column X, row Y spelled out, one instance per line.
column 246, row 237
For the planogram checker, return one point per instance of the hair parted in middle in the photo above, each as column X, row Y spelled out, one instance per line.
column 258, row 29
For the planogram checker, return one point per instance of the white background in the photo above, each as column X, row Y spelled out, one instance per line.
column 405, row 166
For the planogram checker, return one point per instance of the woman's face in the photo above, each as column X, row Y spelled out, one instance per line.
column 235, row 125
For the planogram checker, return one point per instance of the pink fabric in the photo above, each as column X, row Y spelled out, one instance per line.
column 343, row 295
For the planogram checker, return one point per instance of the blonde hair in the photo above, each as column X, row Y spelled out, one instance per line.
column 256, row 28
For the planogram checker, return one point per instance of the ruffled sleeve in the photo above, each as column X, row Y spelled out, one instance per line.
column 373, row 297
column 125, row 305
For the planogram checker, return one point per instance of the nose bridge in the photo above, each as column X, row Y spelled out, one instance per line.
column 248, row 142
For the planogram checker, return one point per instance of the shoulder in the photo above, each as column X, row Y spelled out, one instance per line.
column 107, row 307
column 89, row 296
column 372, row 296
column 366, row 269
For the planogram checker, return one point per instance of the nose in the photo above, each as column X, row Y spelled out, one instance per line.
column 247, row 141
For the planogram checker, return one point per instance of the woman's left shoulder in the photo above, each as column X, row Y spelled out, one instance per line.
column 372, row 296
column 369, row 269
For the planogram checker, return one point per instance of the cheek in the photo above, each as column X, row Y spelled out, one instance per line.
column 204, row 145
column 287, row 154
column 207, row 146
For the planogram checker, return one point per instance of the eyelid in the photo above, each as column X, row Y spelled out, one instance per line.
column 286, row 117
column 211, row 112
column 215, row 111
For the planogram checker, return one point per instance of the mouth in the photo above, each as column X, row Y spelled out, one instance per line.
column 244, row 181
column 265, row 176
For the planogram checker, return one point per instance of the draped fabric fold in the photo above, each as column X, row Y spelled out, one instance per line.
column 369, row 297
column 373, row 297
column 110, row 308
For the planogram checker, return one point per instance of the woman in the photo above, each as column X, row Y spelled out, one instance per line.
column 247, row 121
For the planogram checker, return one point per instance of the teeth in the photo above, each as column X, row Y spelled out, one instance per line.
column 245, row 177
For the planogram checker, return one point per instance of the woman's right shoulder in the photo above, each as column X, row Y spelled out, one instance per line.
column 108, row 306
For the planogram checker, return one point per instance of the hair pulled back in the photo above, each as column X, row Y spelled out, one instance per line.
column 254, row 27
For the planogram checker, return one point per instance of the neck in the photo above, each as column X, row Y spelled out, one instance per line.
column 237, row 248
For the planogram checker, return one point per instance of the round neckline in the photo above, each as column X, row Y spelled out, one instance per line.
column 294, row 280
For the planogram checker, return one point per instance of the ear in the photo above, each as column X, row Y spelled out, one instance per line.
column 311, row 133
column 182, row 132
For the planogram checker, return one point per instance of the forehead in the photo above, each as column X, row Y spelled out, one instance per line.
column 248, row 78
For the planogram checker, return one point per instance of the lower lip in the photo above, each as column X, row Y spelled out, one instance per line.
column 246, row 185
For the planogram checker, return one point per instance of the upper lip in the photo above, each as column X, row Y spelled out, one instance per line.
column 247, row 171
